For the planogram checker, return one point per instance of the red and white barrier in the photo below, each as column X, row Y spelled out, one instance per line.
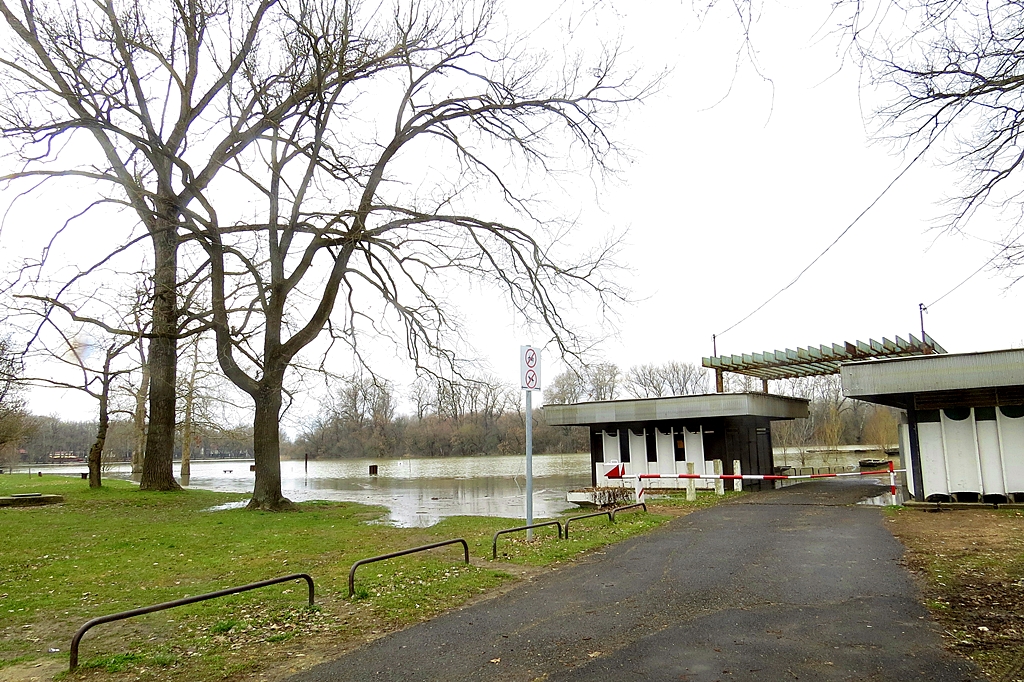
column 618, row 471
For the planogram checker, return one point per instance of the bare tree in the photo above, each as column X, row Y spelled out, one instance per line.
column 14, row 422
column 951, row 74
column 595, row 381
column 685, row 378
column 140, row 394
column 646, row 381
column 603, row 380
column 338, row 222
column 668, row 379
column 421, row 393
column 567, row 387
column 168, row 95
column 91, row 348
column 881, row 427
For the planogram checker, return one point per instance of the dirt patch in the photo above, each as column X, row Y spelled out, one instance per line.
column 35, row 671
column 971, row 569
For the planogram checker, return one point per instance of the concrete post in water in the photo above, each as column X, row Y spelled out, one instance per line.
column 737, row 484
column 719, row 483
column 691, row 484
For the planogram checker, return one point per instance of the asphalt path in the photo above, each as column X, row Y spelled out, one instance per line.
column 792, row 584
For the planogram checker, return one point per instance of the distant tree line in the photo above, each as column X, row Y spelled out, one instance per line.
column 48, row 438
column 834, row 419
column 474, row 416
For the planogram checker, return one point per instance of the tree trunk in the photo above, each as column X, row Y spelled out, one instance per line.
column 96, row 451
column 266, row 494
column 186, row 442
column 158, row 466
column 186, row 425
column 139, row 451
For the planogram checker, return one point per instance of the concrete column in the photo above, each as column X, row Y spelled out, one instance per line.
column 737, row 484
column 719, row 483
column 691, row 484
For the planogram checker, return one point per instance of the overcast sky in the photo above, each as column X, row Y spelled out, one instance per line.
column 738, row 180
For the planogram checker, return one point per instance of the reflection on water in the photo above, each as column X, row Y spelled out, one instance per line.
column 886, row 499
column 417, row 492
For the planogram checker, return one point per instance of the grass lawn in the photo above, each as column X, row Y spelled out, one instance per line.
column 117, row 548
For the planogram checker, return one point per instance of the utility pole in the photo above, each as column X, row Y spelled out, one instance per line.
column 921, row 310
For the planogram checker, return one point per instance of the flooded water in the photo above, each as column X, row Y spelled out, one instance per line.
column 417, row 492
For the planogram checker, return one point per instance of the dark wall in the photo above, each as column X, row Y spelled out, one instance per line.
column 747, row 439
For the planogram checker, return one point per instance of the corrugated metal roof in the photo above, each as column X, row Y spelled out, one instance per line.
column 950, row 372
column 677, row 407
column 815, row 361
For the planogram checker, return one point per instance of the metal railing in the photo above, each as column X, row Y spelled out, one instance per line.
column 607, row 513
column 628, row 506
column 392, row 555
column 180, row 602
column 494, row 544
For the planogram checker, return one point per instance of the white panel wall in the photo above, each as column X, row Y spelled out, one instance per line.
column 695, row 453
column 637, row 453
column 1011, row 438
column 970, row 456
column 666, row 451
column 933, row 460
column 694, row 449
column 960, row 443
column 610, row 441
column 991, row 459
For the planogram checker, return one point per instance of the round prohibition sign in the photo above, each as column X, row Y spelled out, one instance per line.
column 531, row 378
column 531, row 360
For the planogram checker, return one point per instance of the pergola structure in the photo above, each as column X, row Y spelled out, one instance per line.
column 815, row 360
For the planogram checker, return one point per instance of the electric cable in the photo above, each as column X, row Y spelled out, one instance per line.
column 970, row 276
column 836, row 240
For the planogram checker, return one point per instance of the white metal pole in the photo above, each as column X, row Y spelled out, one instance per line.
column 529, row 464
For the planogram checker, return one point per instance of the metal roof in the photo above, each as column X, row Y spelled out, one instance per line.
column 986, row 378
column 815, row 361
column 677, row 407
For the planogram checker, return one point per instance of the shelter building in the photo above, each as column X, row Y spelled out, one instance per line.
column 962, row 436
column 660, row 435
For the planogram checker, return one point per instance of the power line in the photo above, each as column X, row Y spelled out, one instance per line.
column 834, row 241
column 971, row 276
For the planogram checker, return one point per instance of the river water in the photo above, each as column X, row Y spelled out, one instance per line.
column 417, row 492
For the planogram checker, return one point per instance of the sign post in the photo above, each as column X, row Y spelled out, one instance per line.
column 529, row 374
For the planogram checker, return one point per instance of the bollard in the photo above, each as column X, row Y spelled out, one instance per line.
column 737, row 484
column 691, row 484
column 719, row 483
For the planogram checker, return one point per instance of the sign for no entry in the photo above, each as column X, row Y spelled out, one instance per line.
column 529, row 368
